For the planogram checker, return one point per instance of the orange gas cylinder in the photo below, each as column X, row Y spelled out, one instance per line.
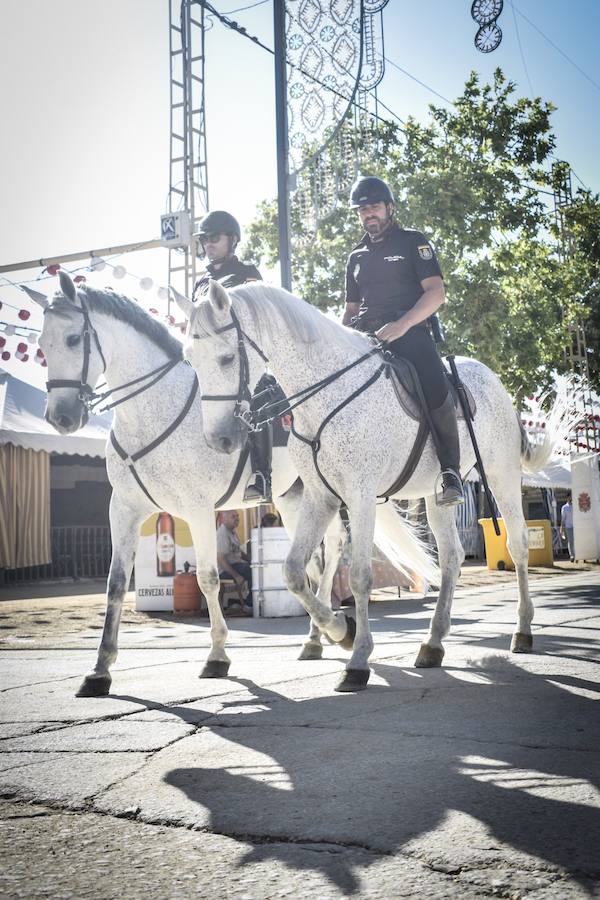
column 187, row 597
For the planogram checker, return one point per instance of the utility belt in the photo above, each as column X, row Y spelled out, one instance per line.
column 371, row 324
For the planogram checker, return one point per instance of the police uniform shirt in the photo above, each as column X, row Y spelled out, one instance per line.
column 230, row 274
column 384, row 277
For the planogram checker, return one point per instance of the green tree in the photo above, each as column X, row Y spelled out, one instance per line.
column 470, row 178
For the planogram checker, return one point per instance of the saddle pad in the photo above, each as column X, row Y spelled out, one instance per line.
column 406, row 374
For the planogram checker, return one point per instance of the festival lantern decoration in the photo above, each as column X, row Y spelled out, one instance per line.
column 97, row 264
column 2, row 342
column 162, row 293
column 32, row 337
column 79, row 279
column 24, row 314
column 9, row 329
column 146, row 283
column 53, row 269
column 119, row 271
column 5, row 355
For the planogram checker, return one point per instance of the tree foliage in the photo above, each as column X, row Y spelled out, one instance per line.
column 476, row 179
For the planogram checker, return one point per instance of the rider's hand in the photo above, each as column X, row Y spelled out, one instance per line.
column 393, row 330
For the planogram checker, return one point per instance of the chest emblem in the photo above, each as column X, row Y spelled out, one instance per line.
column 425, row 252
column 393, row 258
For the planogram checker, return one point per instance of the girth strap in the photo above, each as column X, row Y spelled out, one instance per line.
column 155, row 443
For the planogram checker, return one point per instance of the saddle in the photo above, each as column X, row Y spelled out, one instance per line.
column 408, row 394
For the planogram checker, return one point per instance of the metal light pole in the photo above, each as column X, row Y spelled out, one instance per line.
column 283, row 204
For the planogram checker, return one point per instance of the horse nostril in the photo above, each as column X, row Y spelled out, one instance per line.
column 65, row 422
column 226, row 444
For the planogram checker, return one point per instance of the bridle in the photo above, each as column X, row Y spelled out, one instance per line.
column 243, row 395
column 86, row 393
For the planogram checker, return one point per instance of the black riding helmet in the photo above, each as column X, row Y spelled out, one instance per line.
column 369, row 189
column 219, row 222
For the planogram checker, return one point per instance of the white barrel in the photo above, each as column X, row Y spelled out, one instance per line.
column 270, row 598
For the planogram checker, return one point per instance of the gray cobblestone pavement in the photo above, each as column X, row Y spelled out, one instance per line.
column 479, row 779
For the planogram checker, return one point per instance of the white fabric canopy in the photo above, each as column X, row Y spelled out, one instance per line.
column 22, row 423
column 557, row 474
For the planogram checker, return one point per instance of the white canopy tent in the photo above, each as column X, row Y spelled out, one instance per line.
column 22, row 423
column 26, row 443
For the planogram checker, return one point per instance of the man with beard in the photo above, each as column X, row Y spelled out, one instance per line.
column 393, row 285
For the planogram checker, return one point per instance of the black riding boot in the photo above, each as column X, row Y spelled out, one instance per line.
column 448, row 450
column 258, row 487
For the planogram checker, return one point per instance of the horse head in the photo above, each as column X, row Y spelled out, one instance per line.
column 72, row 353
column 212, row 346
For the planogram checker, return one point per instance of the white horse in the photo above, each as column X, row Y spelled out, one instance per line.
column 362, row 448
column 87, row 333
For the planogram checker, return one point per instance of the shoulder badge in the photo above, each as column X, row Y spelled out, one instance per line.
column 425, row 251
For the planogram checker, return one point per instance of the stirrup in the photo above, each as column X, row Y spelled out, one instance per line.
column 258, row 489
column 450, row 494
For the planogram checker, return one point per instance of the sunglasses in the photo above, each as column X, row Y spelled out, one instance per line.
column 212, row 238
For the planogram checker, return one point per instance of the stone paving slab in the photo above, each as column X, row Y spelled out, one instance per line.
column 69, row 778
column 95, row 856
column 477, row 779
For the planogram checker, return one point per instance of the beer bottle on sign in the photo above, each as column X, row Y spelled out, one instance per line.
column 165, row 545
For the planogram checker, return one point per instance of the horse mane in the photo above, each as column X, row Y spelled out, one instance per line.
column 125, row 310
column 269, row 306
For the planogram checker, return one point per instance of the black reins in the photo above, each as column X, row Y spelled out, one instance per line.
column 254, row 421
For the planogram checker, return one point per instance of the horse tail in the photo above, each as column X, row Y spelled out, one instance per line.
column 556, row 425
column 399, row 540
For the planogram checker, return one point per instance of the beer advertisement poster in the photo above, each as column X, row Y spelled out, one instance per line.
column 165, row 544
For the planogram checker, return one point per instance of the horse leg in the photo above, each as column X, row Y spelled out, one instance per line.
column 361, row 512
column 315, row 514
column 318, row 574
column 204, row 536
column 451, row 555
column 124, row 529
column 507, row 492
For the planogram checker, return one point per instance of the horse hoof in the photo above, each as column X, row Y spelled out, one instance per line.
column 521, row 643
column 311, row 651
column 429, row 657
column 215, row 668
column 95, row 686
column 353, row 680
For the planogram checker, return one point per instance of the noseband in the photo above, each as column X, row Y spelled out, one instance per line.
column 85, row 391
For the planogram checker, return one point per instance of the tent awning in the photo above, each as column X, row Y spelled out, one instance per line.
column 22, row 423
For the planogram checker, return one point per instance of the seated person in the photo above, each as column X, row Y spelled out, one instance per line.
column 232, row 561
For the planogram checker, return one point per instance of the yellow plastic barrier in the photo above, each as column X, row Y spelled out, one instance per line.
column 540, row 544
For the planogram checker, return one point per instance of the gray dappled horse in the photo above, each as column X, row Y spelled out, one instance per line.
column 87, row 333
column 361, row 449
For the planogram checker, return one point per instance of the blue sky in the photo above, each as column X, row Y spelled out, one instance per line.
column 84, row 94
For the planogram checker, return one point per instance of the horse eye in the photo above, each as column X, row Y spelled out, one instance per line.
column 227, row 360
column 73, row 340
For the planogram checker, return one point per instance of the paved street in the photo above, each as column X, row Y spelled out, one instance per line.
column 478, row 779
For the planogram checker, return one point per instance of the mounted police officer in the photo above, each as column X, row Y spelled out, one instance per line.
column 218, row 237
column 393, row 285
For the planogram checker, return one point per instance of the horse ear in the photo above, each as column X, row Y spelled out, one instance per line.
column 36, row 296
column 67, row 286
column 218, row 297
column 186, row 306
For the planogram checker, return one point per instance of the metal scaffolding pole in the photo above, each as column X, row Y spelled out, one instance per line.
column 188, row 175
